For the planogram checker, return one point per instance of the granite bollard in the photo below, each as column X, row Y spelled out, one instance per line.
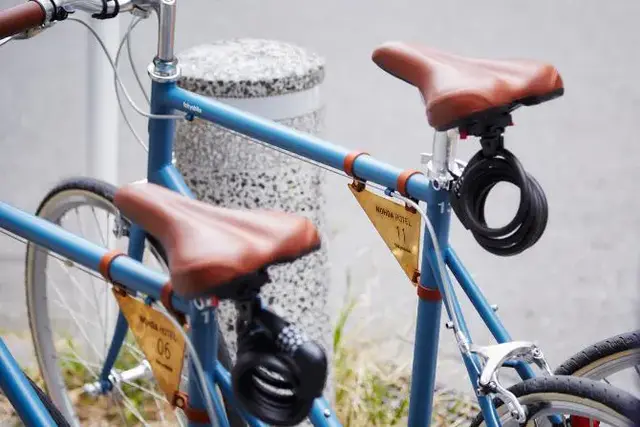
column 281, row 82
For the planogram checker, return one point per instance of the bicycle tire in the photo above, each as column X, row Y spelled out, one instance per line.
column 55, row 413
column 604, row 358
column 72, row 189
column 544, row 396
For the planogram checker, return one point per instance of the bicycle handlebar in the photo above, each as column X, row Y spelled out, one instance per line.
column 35, row 14
column 21, row 18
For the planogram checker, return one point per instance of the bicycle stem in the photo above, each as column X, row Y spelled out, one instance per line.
column 166, row 30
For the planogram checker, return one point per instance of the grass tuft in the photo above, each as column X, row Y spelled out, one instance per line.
column 371, row 390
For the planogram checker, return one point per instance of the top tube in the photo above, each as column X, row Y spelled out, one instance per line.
column 366, row 168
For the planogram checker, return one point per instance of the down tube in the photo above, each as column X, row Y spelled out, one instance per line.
column 18, row 390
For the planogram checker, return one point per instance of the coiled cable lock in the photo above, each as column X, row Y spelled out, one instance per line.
column 488, row 167
column 279, row 371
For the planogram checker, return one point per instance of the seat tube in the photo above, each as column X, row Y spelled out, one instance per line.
column 427, row 334
column 204, row 336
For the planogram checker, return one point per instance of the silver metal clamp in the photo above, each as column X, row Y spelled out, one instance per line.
column 441, row 163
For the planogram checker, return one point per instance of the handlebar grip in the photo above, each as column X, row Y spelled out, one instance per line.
column 21, row 18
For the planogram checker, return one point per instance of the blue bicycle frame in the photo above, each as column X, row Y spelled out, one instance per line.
column 168, row 97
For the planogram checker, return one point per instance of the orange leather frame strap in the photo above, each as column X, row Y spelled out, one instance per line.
column 181, row 400
column 402, row 180
column 350, row 159
column 166, row 293
column 105, row 263
column 428, row 294
column 198, row 416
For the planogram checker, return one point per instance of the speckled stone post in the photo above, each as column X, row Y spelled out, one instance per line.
column 279, row 81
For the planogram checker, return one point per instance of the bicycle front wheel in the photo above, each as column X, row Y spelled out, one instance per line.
column 578, row 402
column 72, row 316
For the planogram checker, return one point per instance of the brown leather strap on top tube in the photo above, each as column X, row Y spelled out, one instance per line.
column 428, row 294
column 166, row 294
column 105, row 263
column 350, row 159
column 402, row 180
column 21, row 18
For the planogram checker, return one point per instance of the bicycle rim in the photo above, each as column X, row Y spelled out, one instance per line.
column 72, row 314
column 611, row 365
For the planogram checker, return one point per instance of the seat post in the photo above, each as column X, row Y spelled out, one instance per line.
column 442, row 159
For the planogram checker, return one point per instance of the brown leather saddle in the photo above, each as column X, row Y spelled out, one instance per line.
column 209, row 247
column 458, row 91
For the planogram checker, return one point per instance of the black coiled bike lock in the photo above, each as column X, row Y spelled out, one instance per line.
column 488, row 167
column 279, row 371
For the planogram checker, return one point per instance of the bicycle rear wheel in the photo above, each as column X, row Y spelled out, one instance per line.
column 615, row 360
column 72, row 315
column 580, row 402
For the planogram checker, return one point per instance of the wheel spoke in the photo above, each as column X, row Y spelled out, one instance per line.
column 134, row 351
column 95, row 217
column 163, row 419
column 155, row 395
column 78, row 360
column 95, row 304
column 130, row 406
column 75, row 320
column 116, row 387
column 123, row 417
column 111, row 397
column 74, row 282
column 106, row 302
column 104, row 293
column 86, row 364
column 80, row 225
column 103, row 328
column 79, row 316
